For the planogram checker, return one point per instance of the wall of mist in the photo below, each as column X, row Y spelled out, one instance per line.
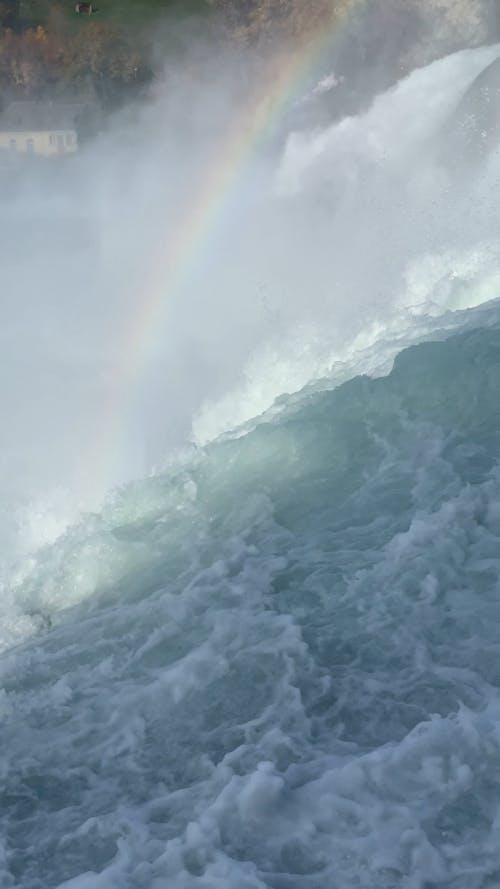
column 315, row 244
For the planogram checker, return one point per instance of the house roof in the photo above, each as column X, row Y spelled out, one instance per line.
column 29, row 116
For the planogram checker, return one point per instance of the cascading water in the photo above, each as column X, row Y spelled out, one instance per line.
column 274, row 664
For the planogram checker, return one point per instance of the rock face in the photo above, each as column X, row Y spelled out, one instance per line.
column 475, row 127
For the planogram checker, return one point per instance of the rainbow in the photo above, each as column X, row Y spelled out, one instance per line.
column 279, row 84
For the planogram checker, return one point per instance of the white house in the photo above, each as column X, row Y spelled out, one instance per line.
column 41, row 128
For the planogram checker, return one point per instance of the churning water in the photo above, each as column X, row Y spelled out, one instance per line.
column 275, row 665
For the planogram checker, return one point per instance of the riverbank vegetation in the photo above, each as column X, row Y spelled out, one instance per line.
column 48, row 51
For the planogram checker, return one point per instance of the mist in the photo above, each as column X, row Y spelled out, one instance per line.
column 341, row 223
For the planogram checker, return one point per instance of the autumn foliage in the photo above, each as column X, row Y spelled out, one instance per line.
column 99, row 57
column 261, row 21
column 110, row 58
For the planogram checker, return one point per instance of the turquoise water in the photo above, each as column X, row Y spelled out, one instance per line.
column 275, row 664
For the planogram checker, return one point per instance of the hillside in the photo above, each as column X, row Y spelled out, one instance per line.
column 46, row 49
column 30, row 13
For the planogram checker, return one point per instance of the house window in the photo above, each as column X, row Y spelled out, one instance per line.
column 13, row 144
column 30, row 146
column 52, row 138
column 69, row 139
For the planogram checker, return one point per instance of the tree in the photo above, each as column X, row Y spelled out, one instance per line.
column 261, row 21
column 10, row 14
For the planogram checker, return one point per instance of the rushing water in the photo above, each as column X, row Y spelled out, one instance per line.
column 288, row 673
column 275, row 664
